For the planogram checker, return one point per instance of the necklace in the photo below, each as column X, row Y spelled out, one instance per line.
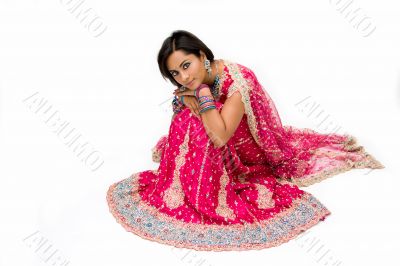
column 216, row 85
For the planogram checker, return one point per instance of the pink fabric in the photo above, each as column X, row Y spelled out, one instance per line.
column 251, row 182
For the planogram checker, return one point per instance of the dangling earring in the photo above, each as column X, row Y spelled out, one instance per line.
column 207, row 65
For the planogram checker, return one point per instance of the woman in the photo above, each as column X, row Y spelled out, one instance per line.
column 229, row 172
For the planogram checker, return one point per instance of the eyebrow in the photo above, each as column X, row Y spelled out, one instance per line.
column 179, row 65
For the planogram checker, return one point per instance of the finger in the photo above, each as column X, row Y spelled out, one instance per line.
column 188, row 93
column 195, row 113
column 197, row 108
column 194, row 109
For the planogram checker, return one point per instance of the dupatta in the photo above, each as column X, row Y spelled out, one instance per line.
column 298, row 155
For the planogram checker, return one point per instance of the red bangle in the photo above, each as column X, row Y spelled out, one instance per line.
column 202, row 86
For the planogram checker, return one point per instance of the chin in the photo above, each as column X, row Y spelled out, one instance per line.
column 192, row 88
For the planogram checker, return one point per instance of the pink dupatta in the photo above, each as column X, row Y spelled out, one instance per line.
column 243, row 195
column 298, row 155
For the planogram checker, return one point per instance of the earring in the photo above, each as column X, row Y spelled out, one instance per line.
column 207, row 65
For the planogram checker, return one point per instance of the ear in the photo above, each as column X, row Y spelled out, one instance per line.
column 202, row 56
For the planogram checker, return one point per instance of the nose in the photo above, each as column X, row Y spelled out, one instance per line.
column 185, row 76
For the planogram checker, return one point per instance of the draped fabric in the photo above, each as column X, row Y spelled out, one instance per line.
column 243, row 195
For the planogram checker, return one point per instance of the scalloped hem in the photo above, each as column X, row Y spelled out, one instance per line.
column 149, row 223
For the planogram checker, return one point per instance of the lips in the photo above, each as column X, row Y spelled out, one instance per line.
column 190, row 83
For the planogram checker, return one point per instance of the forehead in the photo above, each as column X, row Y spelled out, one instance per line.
column 176, row 58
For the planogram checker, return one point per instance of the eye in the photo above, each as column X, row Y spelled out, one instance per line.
column 185, row 66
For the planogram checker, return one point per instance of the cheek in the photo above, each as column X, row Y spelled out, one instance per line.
column 196, row 70
column 178, row 79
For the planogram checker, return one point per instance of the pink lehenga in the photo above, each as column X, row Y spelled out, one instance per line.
column 244, row 195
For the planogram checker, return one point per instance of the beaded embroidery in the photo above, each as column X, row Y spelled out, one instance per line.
column 243, row 196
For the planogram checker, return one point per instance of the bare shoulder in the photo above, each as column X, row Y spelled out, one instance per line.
column 234, row 101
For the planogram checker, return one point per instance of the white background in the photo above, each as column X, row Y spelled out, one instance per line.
column 110, row 90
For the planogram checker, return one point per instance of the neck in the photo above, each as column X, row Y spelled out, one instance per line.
column 210, row 80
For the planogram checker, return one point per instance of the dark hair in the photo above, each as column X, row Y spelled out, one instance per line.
column 180, row 40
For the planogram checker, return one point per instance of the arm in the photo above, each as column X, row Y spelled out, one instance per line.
column 220, row 127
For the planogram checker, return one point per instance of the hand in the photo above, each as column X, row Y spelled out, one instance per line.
column 189, row 100
column 192, row 103
column 186, row 92
column 203, row 91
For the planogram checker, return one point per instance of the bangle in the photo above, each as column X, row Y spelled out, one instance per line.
column 176, row 105
column 206, row 98
column 206, row 103
column 182, row 98
column 176, row 101
column 207, row 108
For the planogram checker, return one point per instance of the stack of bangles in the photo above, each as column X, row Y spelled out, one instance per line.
column 206, row 102
column 177, row 105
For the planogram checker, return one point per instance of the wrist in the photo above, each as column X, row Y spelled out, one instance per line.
column 206, row 102
column 202, row 90
column 176, row 105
